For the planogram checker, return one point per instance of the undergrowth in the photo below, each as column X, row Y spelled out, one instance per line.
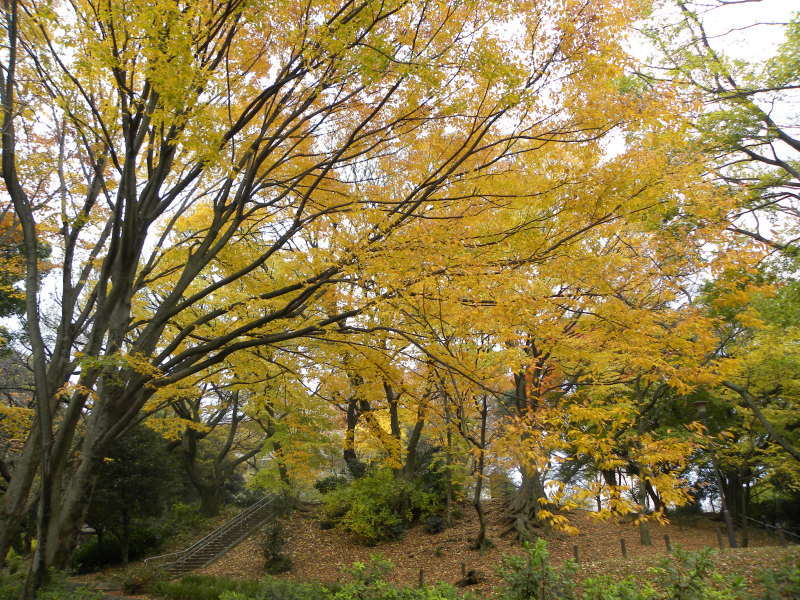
column 680, row 576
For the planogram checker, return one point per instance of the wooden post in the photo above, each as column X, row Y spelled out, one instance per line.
column 463, row 570
column 781, row 536
column 576, row 552
column 623, row 548
column 666, row 543
column 421, row 578
column 719, row 539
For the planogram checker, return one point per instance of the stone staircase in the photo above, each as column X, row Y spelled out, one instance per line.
column 218, row 542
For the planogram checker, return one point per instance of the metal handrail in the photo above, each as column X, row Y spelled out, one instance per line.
column 218, row 532
column 777, row 528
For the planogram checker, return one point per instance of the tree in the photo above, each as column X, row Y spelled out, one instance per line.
column 185, row 130
column 744, row 120
column 12, row 301
column 135, row 481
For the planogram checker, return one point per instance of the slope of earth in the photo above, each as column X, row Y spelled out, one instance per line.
column 321, row 554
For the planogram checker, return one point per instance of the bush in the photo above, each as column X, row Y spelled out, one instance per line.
column 605, row 588
column 532, row 577
column 140, row 579
column 272, row 541
column 691, row 576
column 246, row 496
column 57, row 589
column 10, row 586
column 96, row 554
column 330, row 483
column 203, row 587
column 63, row 591
column 435, row 524
column 184, row 517
column 781, row 584
column 380, row 506
column 280, row 589
column 369, row 583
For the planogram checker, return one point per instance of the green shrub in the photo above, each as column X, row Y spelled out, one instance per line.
column 532, row 577
column 367, row 573
column 330, row 483
column 203, row 587
column 10, row 586
column 374, row 508
column 16, row 564
column 272, row 540
column 380, row 506
column 781, row 584
column 67, row 592
column 95, row 554
column 184, row 517
column 369, row 583
column 280, row 589
column 605, row 588
column 691, row 576
column 140, row 579
column 58, row 588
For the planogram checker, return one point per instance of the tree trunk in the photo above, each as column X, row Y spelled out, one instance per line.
column 125, row 538
column 283, row 471
column 658, row 505
column 725, row 508
column 524, row 506
column 211, row 497
column 355, row 466
column 70, row 513
column 743, row 521
column 14, row 501
column 644, row 527
column 410, row 467
column 448, row 514
column 480, row 540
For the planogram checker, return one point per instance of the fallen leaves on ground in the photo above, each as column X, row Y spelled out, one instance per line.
column 322, row 554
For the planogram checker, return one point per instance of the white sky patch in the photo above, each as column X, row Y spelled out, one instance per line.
column 749, row 31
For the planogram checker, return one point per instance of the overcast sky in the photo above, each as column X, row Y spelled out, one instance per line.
column 749, row 30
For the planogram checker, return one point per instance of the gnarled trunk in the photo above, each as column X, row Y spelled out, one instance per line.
column 524, row 504
column 211, row 498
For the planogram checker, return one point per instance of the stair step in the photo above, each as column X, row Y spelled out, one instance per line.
column 225, row 538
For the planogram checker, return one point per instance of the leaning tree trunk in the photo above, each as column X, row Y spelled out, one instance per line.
column 14, row 502
column 69, row 514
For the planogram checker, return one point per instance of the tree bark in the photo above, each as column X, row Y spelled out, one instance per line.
column 524, row 506
column 14, row 503
column 354, row 465
column 644, row 527
column 211, row 498
column 480, row 539
column 780, row 439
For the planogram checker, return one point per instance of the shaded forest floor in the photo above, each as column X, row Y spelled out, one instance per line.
column 321, row 554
